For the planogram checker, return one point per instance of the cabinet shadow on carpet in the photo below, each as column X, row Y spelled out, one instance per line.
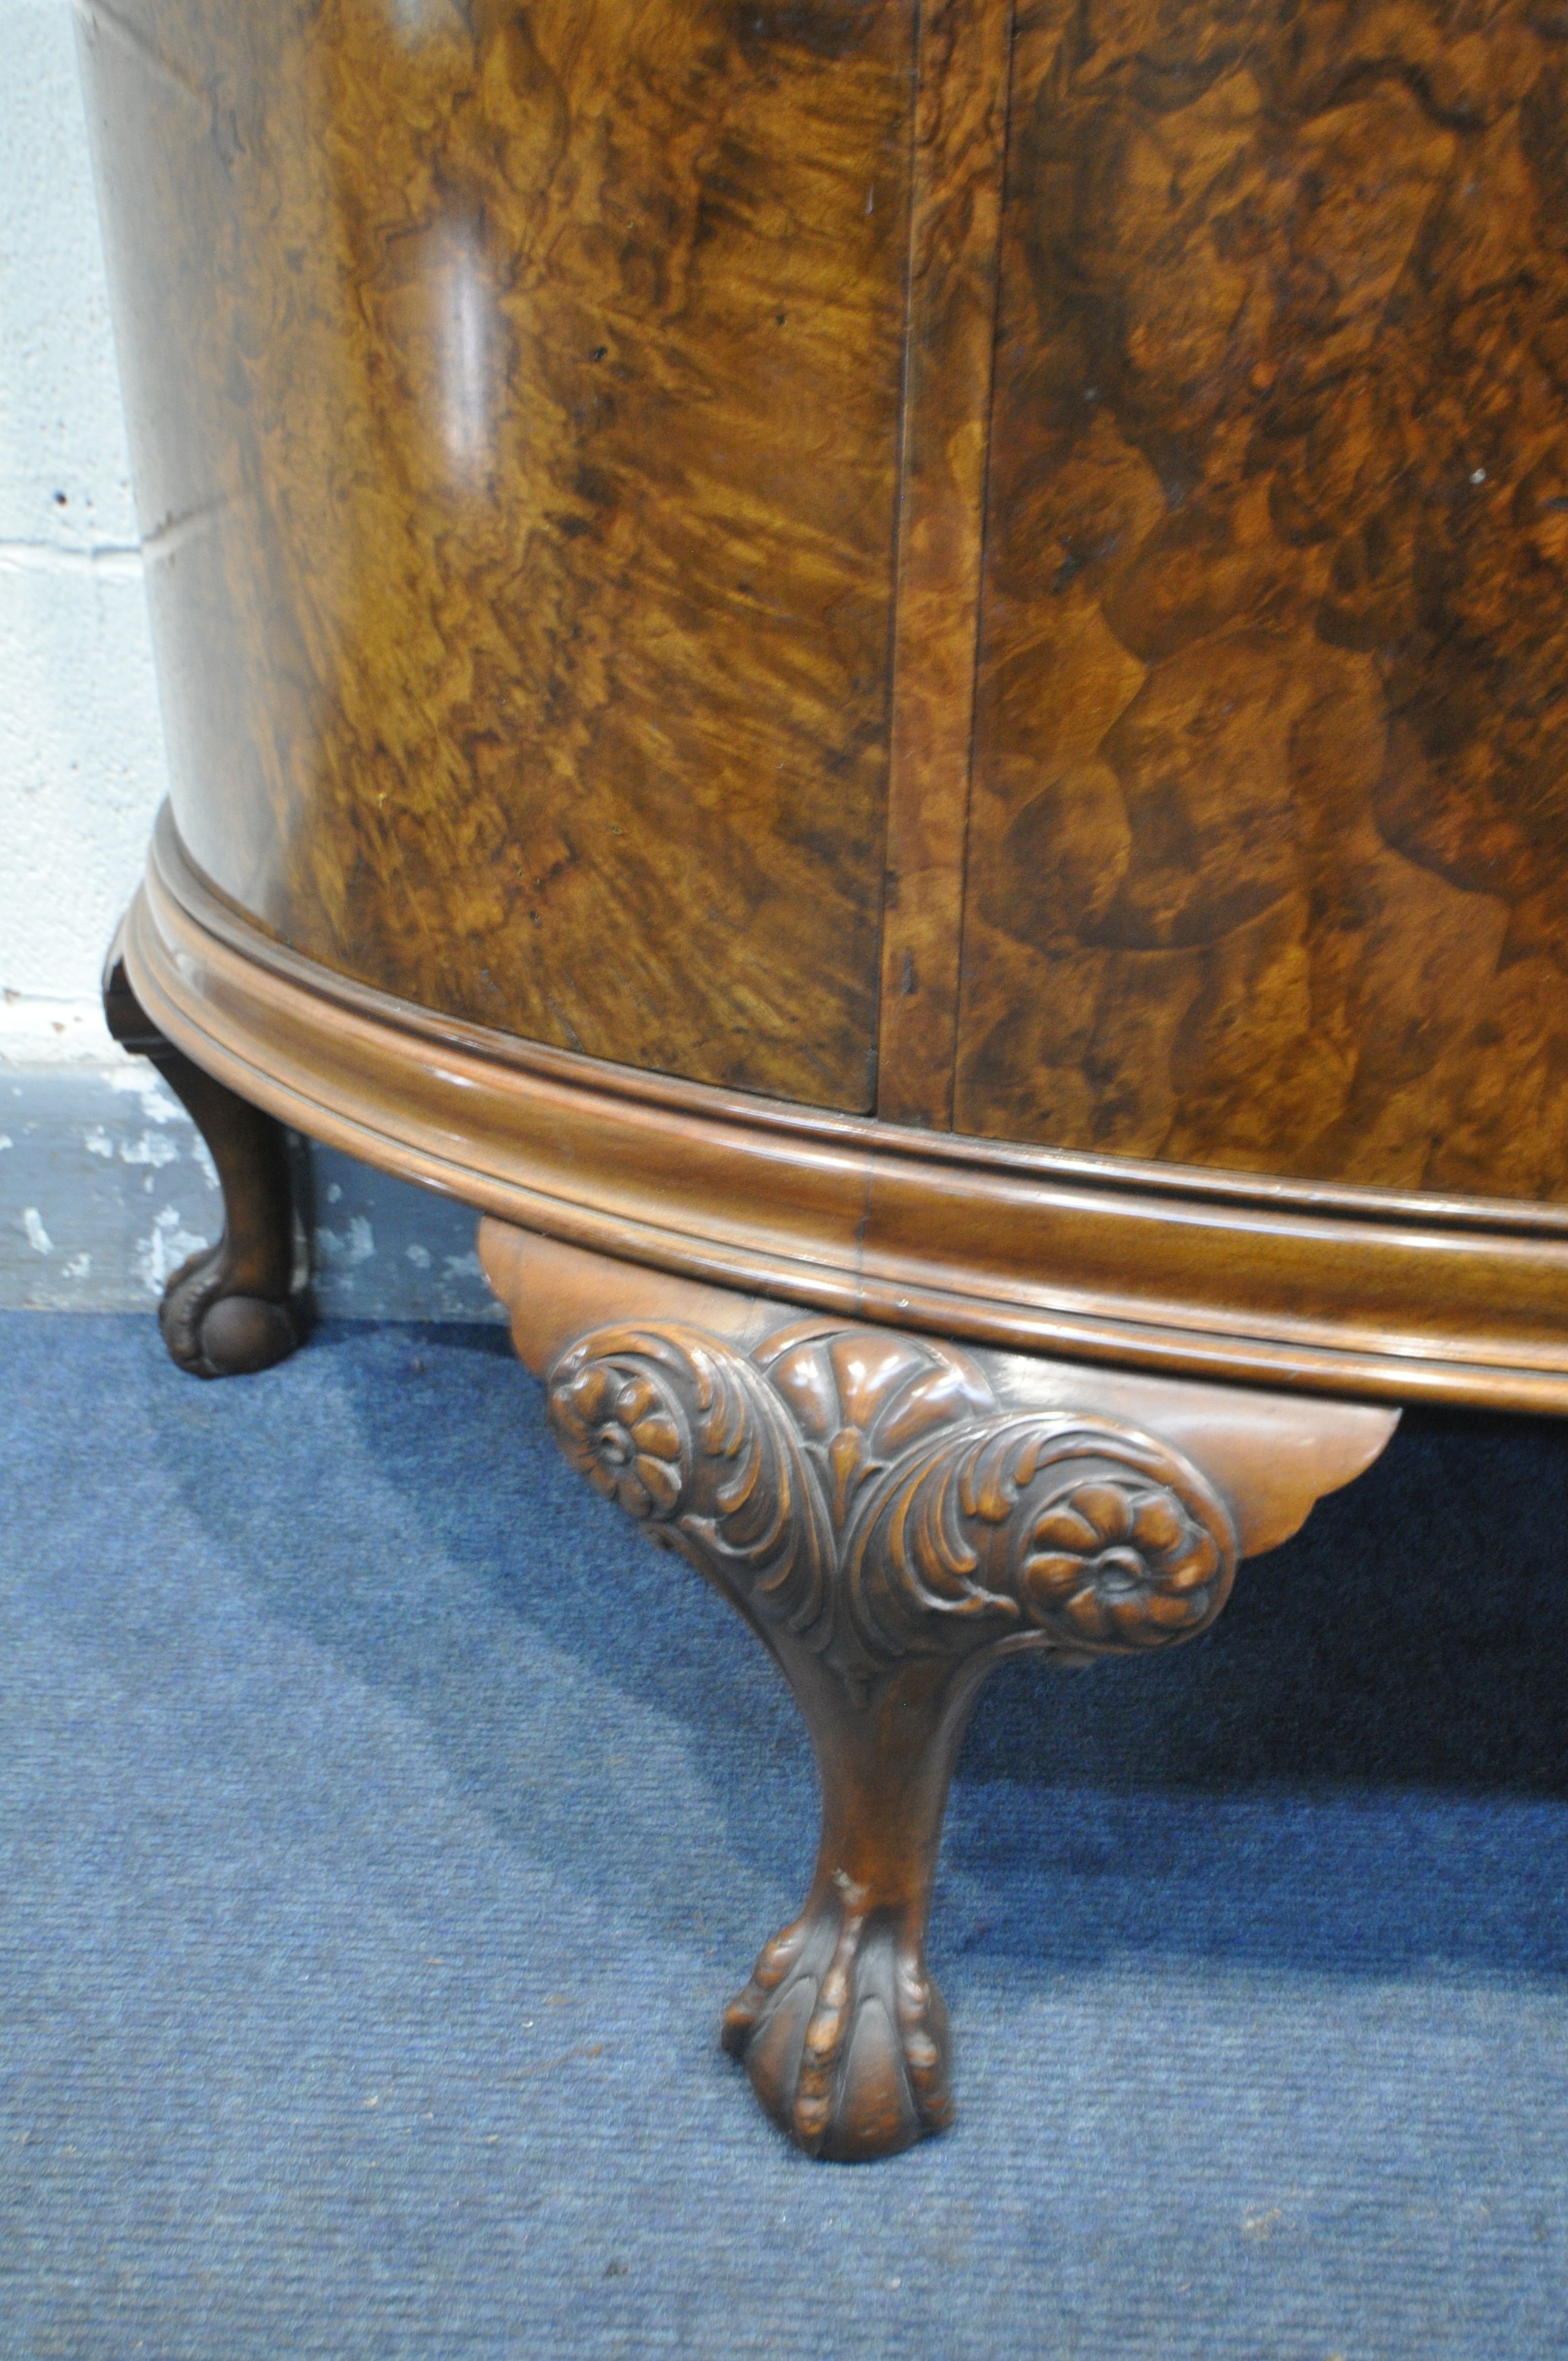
column 1361, row 1769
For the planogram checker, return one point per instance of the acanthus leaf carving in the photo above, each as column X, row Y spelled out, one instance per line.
column 867, row 1492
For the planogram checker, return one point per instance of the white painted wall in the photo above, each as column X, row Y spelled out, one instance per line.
column 81, row 764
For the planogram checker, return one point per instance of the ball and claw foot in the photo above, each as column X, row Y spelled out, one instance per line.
column 842, row 2031
column 232, row 1308
column 213, row 1333
column 893, row 1515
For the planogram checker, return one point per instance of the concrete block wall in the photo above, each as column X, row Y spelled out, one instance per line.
column 104, row 1185
column 81, row 767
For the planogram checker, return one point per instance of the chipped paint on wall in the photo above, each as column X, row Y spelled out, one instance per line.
column 167, row 1244
column 106, row 1187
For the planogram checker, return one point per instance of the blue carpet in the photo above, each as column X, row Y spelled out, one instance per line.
column 384, row 1828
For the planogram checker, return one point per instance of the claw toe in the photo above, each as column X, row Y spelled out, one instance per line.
column 844, row 2037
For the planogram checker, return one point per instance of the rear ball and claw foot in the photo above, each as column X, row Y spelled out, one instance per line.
column 232, row 1308
column 213, row 1332
column 842, row 2031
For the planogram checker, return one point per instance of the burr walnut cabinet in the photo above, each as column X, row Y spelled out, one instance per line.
column 889, row 675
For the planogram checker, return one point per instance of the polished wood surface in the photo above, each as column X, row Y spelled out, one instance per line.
column 892, row 1517
column 1145, row 382
column 998, row 564
column 1269, row 840
column 961, row 124
column 1337, row 1290
column 515, row 402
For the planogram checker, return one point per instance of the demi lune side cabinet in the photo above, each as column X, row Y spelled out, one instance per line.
column 890, row 675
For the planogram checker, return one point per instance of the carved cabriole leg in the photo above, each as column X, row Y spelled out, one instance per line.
column 892, row 1515
column 230, row 1310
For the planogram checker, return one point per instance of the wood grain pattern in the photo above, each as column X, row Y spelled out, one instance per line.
column 1325, row 1288
column 956, row 205
column 515, row 393
column 1270, row 822
column 517, row 396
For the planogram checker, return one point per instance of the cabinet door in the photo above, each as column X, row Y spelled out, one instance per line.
column 1269, row 841
column 515, row 399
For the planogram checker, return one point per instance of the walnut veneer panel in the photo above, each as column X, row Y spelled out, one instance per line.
column 1269, row 840
column 516, row 401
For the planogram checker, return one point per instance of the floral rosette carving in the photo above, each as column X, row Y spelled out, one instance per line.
column 686, row 1436
column 1088, row 1534
column 1120, row 1564
column 867, row 1492
column 621, row 1431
